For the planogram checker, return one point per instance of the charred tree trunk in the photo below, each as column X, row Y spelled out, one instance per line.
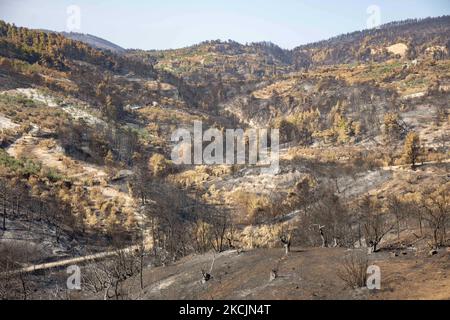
column 4, row 215
column 286, row 242
column 322, row 236
column 359, row 235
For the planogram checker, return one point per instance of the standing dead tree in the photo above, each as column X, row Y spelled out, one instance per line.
column 206, row 276
column 353, row 270
column 171, row 216
column 274, row 273
column 14, row 285
column 376, row 224
column 4, row 194
column 322, row 236
column 108, row 276
column 221, row 225
column 436, row 212
column 213, row 227
column 330, row 220
column 286, row 242
column 396, row 207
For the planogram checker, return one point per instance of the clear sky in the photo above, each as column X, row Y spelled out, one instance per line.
column 162, row 24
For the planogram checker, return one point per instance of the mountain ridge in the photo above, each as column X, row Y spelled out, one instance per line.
column 95, row 41
column 101, row 43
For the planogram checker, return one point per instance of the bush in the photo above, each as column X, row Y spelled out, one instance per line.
column 159, row 165
column 22, row 166
column 53, row 175
column 256, row 208
column 353, row 270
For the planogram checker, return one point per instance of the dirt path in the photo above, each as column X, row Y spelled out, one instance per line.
column 408, row 166
column 14, row 150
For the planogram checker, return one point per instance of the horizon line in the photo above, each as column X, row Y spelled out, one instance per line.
column 231, row 40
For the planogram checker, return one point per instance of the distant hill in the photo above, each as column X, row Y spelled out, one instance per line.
column 415, row 37
column 219, row 70
column 419, row 37
column 94, row 41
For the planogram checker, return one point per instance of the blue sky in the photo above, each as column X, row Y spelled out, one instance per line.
column 166, row 24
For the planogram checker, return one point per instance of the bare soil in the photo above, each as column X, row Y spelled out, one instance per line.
column 306, row 273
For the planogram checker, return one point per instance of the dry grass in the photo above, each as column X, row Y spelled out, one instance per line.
column 353, row 270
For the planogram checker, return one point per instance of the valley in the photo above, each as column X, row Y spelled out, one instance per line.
column 87, row 179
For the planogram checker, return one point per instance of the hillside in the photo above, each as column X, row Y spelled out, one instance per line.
column 416, row 38
column 306, row 274
column 87, row 174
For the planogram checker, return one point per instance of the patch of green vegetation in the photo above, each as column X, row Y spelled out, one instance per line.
column 53, row 175
column 22, row 166
column 443, row 67
column 142, row 133
column 25, row 67
column 25, row 111
column 416, row 82
column 28, row 167
column 383, row 69
column 19, row 100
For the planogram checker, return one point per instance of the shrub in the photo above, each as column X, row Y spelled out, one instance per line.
column 53, row 175
column 257, row 208
column 412, row 149
column 353, row 270
column 159, row 165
